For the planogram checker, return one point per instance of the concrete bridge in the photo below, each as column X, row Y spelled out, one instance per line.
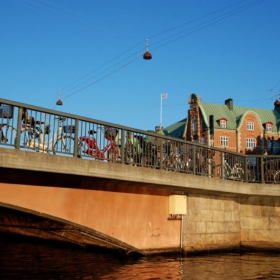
column 133, row 206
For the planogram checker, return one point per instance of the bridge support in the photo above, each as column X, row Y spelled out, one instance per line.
column 127, row 208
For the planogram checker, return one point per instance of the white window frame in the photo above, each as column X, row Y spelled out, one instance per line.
column 224, row 141
column 223, row 123
column 268, row 127
column 250, row 143
column 250, row 126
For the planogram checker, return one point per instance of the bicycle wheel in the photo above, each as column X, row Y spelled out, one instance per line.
column 8, row 135
column 277, row 177
column 113, row 155
column 64, row 146
column 82, row 149
column 269, row 177
column 29, row 139
column 251, row 176
column 239, row 174
column 219, row 172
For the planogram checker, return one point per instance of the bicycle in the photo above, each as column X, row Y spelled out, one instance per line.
column 88, row 146
column 3, row 138
column 7, row 132
column 233, row 173
column 33, row 137
column 8, row 135
column 208, row 167
column 277, row 177
column 133, row 149
column 271, row 171
column 173, row 161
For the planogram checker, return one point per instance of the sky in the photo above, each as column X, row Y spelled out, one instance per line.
column 89, row 54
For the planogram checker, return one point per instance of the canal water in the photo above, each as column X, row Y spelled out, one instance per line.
column 26, row 259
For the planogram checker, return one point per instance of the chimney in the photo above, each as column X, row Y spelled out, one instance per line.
column 229, row 103
column 276, row 105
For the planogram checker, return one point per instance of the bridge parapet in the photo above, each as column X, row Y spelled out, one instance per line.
column 35, row 129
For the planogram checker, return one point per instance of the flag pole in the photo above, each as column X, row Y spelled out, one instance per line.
column 162, row 96
column 160, row 120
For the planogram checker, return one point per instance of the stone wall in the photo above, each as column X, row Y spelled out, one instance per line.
column 211, row 223
column 228, row 223
column 260, row 222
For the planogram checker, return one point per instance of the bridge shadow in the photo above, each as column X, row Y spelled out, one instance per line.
column 28, row 223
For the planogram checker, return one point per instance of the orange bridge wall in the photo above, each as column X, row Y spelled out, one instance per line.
column 137, row 216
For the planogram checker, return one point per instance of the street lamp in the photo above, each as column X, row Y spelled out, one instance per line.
column 59, row 102
column 147, row 55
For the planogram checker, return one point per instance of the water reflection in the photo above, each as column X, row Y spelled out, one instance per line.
column 26, row 259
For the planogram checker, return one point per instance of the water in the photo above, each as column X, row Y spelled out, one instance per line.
column 27, row 259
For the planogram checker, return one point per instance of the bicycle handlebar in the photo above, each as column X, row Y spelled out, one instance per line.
column 61, row 119
column 39, row 122
column 91, row 131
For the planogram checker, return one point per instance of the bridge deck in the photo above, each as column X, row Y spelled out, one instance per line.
column 123, row 174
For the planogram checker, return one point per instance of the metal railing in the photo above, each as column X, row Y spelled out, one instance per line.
column 35, row 129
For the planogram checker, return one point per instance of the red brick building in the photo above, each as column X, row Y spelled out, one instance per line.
column 234, row 128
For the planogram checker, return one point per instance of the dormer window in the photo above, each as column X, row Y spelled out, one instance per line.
column 268, row 126
column 223, row 122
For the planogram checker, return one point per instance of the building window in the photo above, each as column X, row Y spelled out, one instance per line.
column 194, row 124
column 250, row 142
column 223, row 124
column 268, row 145
column 203, row 140
column 224, row 141
column 201, row 122
column 250, row 125
column 268, row 127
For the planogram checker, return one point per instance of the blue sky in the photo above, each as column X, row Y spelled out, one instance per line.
column 91, row 51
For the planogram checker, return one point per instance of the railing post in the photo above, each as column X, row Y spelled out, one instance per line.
column 122, row 145
column 246, row 169
column 262, row 170
column 194, row 159
column 17, row 142
column 222, row 165
column 184, row 153
column 76, row 139
column 160, row 154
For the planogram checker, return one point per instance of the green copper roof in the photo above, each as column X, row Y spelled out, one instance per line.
column 235, row 115
column 176, row 130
